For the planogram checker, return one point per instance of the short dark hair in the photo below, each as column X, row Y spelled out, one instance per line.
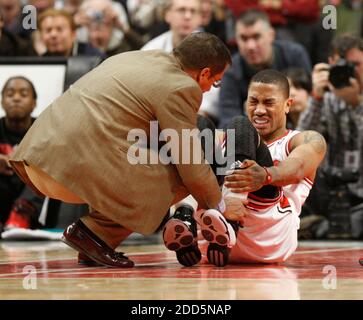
column 344, row 42
column 299, row 77
column 200, row 50
column 35, row 96
column 270, row 76
column 251, row 16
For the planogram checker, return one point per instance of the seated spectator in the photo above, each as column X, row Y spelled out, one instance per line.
column 42, row 5
column 300, row 89
column 58, row 33
column 279, row 11
column 349, row 15
column 337, row 113
column 294, row 20
column 18, row 98
column 13, row 18
column 258, row 50
column 103, row 29
column 209, row 21
column 183, row 17
column 72, row 6
column 145, row 14
column 11, row 45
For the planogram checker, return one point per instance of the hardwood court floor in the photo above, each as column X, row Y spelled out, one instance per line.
column 308, row 274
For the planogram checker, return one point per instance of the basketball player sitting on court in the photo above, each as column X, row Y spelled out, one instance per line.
column 269, row 182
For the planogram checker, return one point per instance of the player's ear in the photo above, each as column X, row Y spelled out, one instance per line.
column 205, row 73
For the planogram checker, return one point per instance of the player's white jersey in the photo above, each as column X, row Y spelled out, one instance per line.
column 269, row 232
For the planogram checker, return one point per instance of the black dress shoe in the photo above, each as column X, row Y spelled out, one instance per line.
column 82, row 239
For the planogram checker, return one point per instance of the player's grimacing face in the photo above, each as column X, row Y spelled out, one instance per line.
column 266, row 108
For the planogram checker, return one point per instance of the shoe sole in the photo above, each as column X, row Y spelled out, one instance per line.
column 89, row 263
column 77, row 248
column 220, row 235
column 177, row 237
column 218, row 255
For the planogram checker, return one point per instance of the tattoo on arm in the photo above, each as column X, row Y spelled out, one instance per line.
column 316, row 140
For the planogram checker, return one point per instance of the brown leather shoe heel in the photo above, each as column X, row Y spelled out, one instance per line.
column 82, row 239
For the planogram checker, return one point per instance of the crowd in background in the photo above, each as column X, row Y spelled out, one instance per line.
column 286, row 35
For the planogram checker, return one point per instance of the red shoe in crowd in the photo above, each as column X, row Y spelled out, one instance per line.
column 21, row 216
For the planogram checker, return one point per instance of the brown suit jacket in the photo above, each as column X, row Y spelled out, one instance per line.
column 80, row 140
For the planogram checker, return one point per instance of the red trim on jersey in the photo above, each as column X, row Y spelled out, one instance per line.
column 287, row 148
column 310, row 182
column 262, row 203
column 284, row 203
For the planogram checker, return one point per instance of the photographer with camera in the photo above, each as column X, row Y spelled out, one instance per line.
column 104, row 24
column 336, row 111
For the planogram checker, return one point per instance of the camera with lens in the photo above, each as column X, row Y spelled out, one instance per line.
column 340, row 73
column 339, row 206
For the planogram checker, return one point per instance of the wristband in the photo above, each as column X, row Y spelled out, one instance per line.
column 221, row 206
column 268, row 178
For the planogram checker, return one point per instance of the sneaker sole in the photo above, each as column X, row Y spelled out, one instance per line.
column 218, row 255
column 177, row 237
column 220, row 235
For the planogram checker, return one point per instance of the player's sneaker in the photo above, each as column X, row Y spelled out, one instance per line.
column 221, row 235
column 180, row 235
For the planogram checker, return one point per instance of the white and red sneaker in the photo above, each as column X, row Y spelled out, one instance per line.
column 220, row 233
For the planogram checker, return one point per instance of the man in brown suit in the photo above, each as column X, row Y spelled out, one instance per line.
column 77, row 150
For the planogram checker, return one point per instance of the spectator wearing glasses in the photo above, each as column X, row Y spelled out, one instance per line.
column 183, row 17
